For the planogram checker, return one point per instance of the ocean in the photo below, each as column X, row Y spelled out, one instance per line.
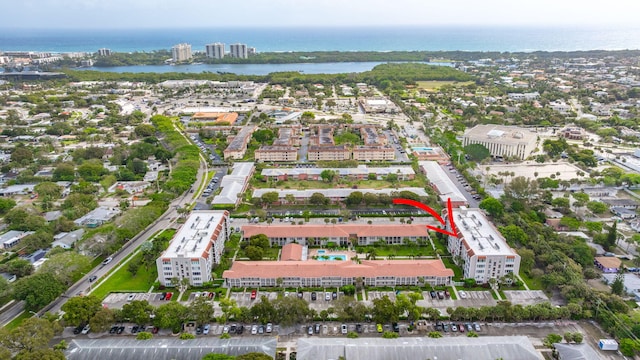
column 511, row 39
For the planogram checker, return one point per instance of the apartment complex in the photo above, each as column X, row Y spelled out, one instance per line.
column 181, row 52
column 194, row 249
column 333, row 195
column 238, row 145
column 328, row 153
column 276, row 153
column 502, row 141
column 337, row 273
column 373, row 153
column 104, row 52
column 239, row 51
column 342, row 234
column 234, row 185
column 215, row 50
column 479, row 248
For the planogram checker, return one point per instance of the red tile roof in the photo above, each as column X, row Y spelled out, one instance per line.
column 311, row 231
column 346, row 269
column 291, row 252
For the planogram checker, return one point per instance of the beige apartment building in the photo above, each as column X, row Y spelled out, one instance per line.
column 276, row 153
column 373, row 153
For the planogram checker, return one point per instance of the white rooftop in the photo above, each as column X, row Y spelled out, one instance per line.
column 335, row 193
column 193, row 238
column 483, row 238
column 446, row 187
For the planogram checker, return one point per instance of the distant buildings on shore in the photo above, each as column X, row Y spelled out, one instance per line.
column 240, row 51
column 181, row 52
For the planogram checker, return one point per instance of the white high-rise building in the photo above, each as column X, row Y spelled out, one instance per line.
column 215, row 50
column 181, row 52
column 104, row 52
column 479, row 248
column 239, row 51
column 195, row 248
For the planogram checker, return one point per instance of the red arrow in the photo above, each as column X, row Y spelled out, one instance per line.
column 419, row 205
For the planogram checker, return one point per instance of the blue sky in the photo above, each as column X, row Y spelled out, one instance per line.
column 249, row 13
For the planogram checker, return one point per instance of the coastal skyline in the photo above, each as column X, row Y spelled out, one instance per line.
column 121, row 14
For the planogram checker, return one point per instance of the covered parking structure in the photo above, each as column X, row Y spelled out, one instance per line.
column 166, row 348
column 448, row 348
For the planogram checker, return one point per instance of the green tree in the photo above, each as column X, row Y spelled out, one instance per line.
column 144, row 336
column 24, row 219
column 6, row 204
column 38, row 290
column 64, row 172
column 171, row 316
column 32, row 335
column 144, row 130
column 218, row 357
column 514, row 235
column 355, row 198
column 597, row 207
column 19, row 267
column 92, row 170
column 269, row 197
column 22, row 155
column 137, row 311
column 328, row 175
column 48, row 189
column 254, row 252
column 102, row 320
column 80, row 309
column 492, row 206
column 384, row 310
column 477, row 152
column 201, row 310
column 617, row 286
column 253, row 356
column 551, row 339
column 67, row 267
column 318, row 199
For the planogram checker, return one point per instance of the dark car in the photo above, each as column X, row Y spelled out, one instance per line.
column 199, row 330
column 396, row 327
column 358, row 328
column 78, row 330
column 93, row 278
column 316, row 329
column 446, row 293
column 334, row 295
column 313, row 296
column 211, row 295
column 134, row 329
column 120, row 330
column 164, row 296
column 240, row 329
column 233, row 328
column 113, row 330
column 155, row 330
column 433, row 294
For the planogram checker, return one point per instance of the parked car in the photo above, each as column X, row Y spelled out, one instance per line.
column 396, row 327
column 327, row 296
column 476, row 326
column 131, row 297
column 93, row 278
column 261, row 329
column 440, row 295
column 134, row 329
column 461, row 328
column 469, row 327
column 107, row 260
column 199, row 330
column 253, row 294
column 225, row 329
column 463, row 295
column 446, row 293
column 169, row 295
column 78, row 330
column 316, row 329
column 454, row 327
column 358, row 328
column 269, row 328
column 445, row 327
column 164, row 296
column 334, row 295
column 240, row 330
column 310, row 330
column 379, row 327
column 343, row 328
column 206, row 328
column 254, row 329
column 433, row 294
column 155, row 330
column 233, row 328
column 113, row 329
column 313, row 296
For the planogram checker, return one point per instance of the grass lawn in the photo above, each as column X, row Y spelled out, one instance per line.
column 123, row 281
column 534, row 284
column 400, row 250
column 18, row 321
column 435, row 85
column 457, row 271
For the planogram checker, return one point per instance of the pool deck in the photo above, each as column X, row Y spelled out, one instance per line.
column 314, row 252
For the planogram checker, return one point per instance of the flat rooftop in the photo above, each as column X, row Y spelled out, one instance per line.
column 194, row 237
column 501, row 134
column 479, row 233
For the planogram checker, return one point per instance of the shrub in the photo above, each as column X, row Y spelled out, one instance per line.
column 187, row 336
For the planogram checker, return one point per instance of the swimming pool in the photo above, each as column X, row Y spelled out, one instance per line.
column 421, row 148
column 321, row 252
column 332, row 257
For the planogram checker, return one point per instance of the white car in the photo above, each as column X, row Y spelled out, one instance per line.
column 205, row 330
column 131, row 297
column 343, row 329
column 254, row 329
column 107, row 260
column 463, row 295
column 86, row 329
column 225, row 329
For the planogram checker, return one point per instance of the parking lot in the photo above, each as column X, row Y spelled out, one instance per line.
column 525, row 297
column 116, row 300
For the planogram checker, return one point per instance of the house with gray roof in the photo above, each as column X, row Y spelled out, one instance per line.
column 66, row 240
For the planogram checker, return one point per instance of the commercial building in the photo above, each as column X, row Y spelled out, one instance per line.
column 479, row 248
column 328, row 153
column 434, row 153
column 313, row 273
column 195, row 248
column 276, row 153
column 238, row 145
column 442, row 184
column 181, row 52
column 502, row 141
column 217, row 117
column 341, row 234
column 239, row 51
column 215, row 50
